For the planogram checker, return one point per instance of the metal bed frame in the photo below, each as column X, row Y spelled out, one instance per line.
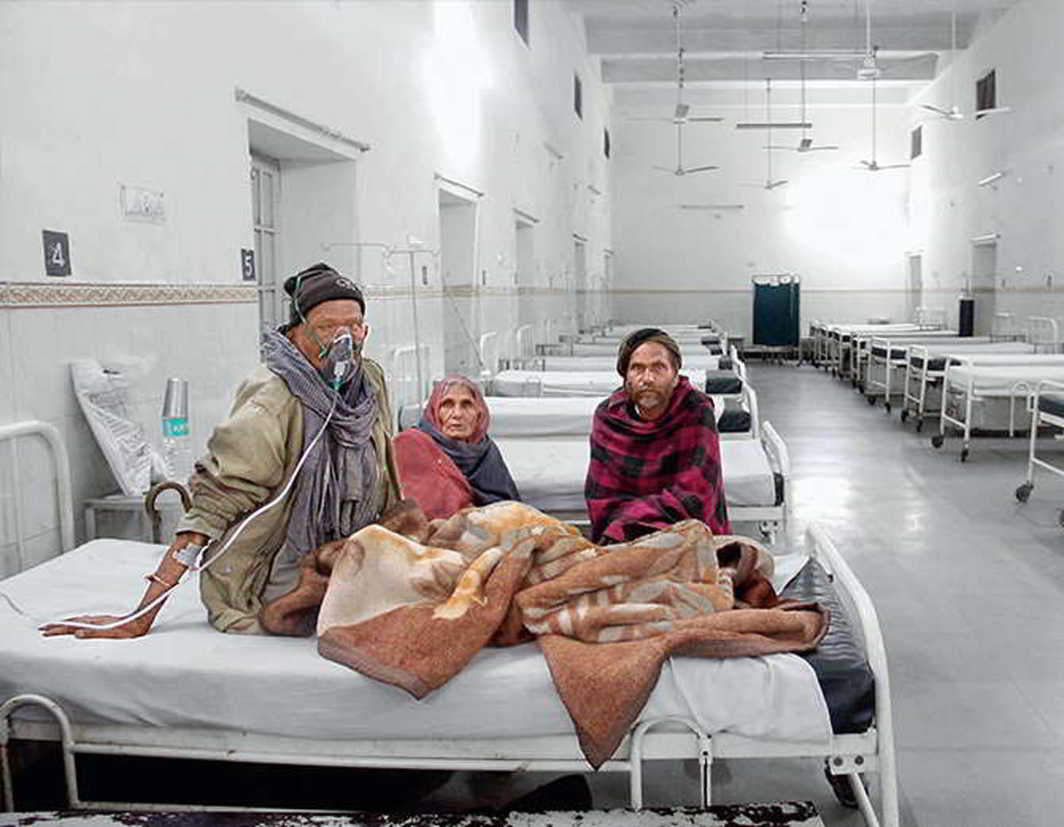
column 891, row 356
column 850, row 755
column 832, row 342
column 64, row 499
column 1041, row 418
column 1021, row 389
column 1041, row 332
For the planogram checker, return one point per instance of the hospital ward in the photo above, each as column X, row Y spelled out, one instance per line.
column 531, row 413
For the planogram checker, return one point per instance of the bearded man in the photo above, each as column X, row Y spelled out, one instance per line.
column 655, row 451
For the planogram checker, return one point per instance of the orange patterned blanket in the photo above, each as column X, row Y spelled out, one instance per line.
column 412, row 603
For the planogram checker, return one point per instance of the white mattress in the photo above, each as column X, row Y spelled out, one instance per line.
column 598, row 384
column 977, row 351
column 550, row 472
column 701, row 361
column 998, row 379
column 186, row 674
column 609, row 348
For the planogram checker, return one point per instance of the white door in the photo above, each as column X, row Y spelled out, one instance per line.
column 265, row 209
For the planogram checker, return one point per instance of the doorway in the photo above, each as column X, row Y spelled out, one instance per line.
column 580, row 283
column 915, row 291
column 984, row 286
column 265, row 211
column 458, row 263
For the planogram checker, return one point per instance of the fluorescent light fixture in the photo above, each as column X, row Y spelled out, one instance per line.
column 780, row 125
column 817, row 54
column 986, row 238
column 990, row 179
column 713, row 207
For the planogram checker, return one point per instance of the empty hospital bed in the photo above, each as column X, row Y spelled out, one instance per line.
column 1047, row 409
column 926, row 365
column 186, row 691
column 982, row 393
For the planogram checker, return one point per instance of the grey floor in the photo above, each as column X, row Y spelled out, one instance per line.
column 968, row 585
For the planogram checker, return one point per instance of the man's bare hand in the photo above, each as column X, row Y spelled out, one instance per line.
column 133, row 628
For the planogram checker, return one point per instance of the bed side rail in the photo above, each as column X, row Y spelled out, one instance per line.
column 20, row 481
column 1043, row 334
column 853, row 592
column 930, row 318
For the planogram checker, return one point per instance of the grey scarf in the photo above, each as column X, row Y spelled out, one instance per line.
column 337, row 492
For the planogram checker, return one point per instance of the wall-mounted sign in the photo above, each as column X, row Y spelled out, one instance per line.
column 143, row 205
column 56, row 253
column 247, row 264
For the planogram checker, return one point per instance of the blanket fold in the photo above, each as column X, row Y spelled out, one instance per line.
column 413, row 614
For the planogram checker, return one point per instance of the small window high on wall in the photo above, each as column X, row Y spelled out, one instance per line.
column 521, row 19
column 986, row 92
column 578, row 96
column 916, row 142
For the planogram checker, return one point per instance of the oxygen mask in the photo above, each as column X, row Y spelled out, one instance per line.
column 340, row 358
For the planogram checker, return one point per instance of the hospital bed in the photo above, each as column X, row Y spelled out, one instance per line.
column 925, row 367
column 716, row 347
column 562, row 383
column 883, row 362
column 981, row 393
column 1047, row 410
column 838, row 338
column 550, row 474
column 185, row 691
column 551, row 416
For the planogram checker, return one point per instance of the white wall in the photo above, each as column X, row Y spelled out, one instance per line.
column 842, row 230
column 948, row 208
column 95, row 95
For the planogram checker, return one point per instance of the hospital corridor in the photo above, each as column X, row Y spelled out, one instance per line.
column 531, row 413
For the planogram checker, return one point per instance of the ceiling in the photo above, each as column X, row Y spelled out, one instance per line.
column 725, row 40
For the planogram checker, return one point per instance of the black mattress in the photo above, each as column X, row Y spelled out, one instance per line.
column 933, row 362
column 734, row 422
column 723, row 382
column 1052, row 404
column 839, row 661
column 882, row 352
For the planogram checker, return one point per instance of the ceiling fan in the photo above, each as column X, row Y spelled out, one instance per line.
column 805, row 143
column 681, row 115
column 874, row 165
column 953, row 112
column 770, row 183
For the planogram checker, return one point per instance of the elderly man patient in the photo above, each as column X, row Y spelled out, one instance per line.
column 655, row 451
column 315, row 399
column 448, row 462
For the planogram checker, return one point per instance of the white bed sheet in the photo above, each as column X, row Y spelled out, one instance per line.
column 701, row 361
column 550, row 472
column 599, row 384
column 609, row 348
column 186, row 674
column 997, row 379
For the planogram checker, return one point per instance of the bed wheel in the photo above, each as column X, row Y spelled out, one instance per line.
column 1024, row 492
column 964, row 454
column 860, row 388
column 1060, row 519
column 887, row 406
column 936, row 441
column 905, row 415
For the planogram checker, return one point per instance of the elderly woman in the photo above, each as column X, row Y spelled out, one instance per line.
column 448, row 462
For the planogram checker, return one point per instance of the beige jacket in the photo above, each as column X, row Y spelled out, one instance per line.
column 250, row 457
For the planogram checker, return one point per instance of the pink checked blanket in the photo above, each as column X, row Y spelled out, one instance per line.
column 412, row 602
